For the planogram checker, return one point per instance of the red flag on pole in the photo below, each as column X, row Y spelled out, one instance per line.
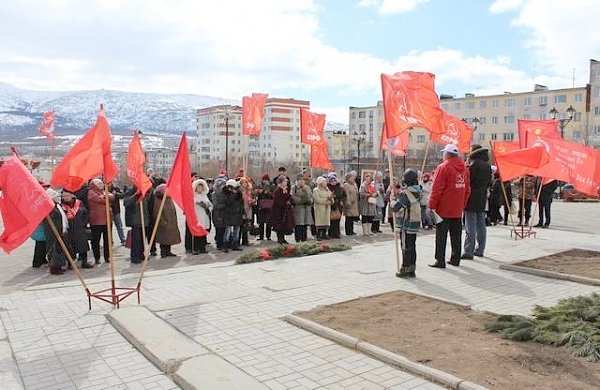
column 571, row 163
column 179, row 187
column 319, row 157
column 513, row 162
column 454, row 131
column 253, row 111
column 47, row 126
column 311, row 127
column 529, row 131
column 398, row 144
column 409, row 100
column 135, row 166
column 23, row 203
column 90, row 157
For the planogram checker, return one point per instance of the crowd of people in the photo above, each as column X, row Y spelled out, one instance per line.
column 238, row 208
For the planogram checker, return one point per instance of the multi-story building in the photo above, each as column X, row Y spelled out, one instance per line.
column 368, row 120
column 278, row 142
column 593, row 104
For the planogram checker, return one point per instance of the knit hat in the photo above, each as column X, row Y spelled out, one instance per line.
column 331, row 176
column 232, row 183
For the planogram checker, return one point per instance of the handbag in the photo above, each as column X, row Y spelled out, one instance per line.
column 265, row 204
column 335, row 215
column 372, row 200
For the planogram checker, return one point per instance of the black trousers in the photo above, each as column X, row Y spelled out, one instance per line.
column 409, row 249
column 97, row 232
column 334, row 228
column 264, row 230
column 544, row 210
column 300, row 233
column 527, row 210
column 349, row 226
column 39, row 254
column 137, row 245
column 219, row 235
column 148, row 235
column 454, row 226
column 367, row 218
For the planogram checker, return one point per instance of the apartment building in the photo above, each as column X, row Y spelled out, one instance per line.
column 279, row 140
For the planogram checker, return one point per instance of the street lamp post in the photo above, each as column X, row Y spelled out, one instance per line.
column 358, row 138
column 563, row 122
column 227, row 141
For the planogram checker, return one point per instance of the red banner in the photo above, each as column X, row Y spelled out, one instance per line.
column 311, row 127
column 47, row 126
column 513, row 162
column 397, row 145
column 571, row 163
column 454, row 131
column 409, row 100
column 253, row 111
column 529, row 131
column 319, row 157
column 135, row 166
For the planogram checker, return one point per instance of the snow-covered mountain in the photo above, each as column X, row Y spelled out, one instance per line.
column 21, row 111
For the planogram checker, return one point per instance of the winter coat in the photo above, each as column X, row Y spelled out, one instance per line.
column 77, row 223
column 168, row 231
column 339, row 196
column 547, row 192
column 234, row 208
column 351, row 203
column 323, row 200
column 248, row 202
column 480, row 177
column 219, row 205
column 132, row 210
column 426, row 187
column 302, row 201
column 282, row 217
column 407, row 207
column 451, row 188
column 264, row 197
column 203, row 207
column 54, row 250
column 367, row 209
column 97, row 207
column 529, row 188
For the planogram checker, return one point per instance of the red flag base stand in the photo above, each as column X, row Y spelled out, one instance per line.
column 113, row 295
column 521, row 234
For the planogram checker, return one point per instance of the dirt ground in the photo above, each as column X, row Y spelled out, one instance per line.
column 452, row 338
column 575, row 262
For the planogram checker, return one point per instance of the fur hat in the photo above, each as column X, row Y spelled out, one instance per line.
column 321, row 180
column 281, row 179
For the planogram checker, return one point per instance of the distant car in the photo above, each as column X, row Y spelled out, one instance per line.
column 569, row 194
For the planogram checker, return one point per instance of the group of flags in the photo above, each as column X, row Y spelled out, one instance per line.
column 24, row 203
column 542, row 152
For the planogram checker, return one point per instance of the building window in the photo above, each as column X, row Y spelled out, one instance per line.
column 526, row 116
column 494, row 136
column 596, row 111
column 483, row 104
column 597, row 72
column 543, row 116
column 508, row 136
column 509, row 102
column 420, row 138
column 361, row 114
column 494, row 120
column 482, row 120
column 353, row 115
column 457, row 106
column 527, row 101
column 577, row 117
column 370, row 114
column 578, row 97
column 560, row 98
column 445, row 106
column 577, row 135
column 495, row 103
column 361, row 127
column 470, row 105
column 597, row 91
column 543, row 100
column 370, row 127
column 481, row 137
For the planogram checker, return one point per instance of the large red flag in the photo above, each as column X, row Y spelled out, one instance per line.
column 253, row 111
column 135, row 166
column 47, row 126
column 311, row 127
column 90, row 157
column 513, row 162
column 179, row 187
column 529, row 131
column 454, row 131
column 409, row 100
column 398, row 144
column 23, row 203
column 571, row 163
column 319, row 158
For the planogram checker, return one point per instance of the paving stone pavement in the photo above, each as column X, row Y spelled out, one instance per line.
column 235, row 311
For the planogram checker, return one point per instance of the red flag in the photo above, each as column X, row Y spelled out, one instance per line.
column 135, row 166
column 319, row 158
column 398, row 144
column 47, row 126
column 90, row 157
column 253, row 111
column 514, row 162
column 571, row 163
column 311, row 127
column 454, row 131
column 409, row 100
column 529, row 131
column 23, row 203
column 179, row 187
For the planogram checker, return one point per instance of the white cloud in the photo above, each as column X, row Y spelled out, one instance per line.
column 500, row 6
column 388, row 7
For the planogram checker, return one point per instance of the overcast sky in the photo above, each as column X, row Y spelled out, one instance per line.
column 330, row 52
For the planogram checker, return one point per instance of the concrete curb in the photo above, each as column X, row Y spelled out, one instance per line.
column 382, row 354
column 550, row 274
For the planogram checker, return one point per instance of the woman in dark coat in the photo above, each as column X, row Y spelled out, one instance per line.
column 78, row 218
column 133, row 219
column 55, row 253
column 233, row 215
column 218, row 213
column 339, row 196
column 264, row 204
column 282, row 217
column 167, row 233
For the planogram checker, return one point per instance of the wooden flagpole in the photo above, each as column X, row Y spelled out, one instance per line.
column 146, row 245
column 506, row 202
column 425, row 156
column 537, row 201
column 110, row 246
column 52, row 156
column 392, row 198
